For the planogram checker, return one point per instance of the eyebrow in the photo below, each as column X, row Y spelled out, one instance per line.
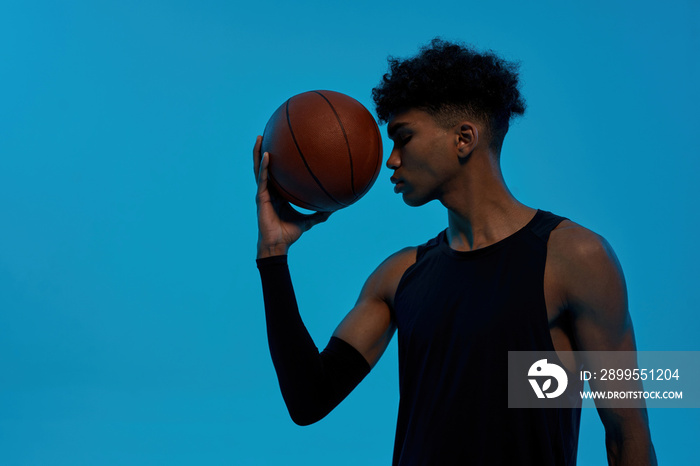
column 391, row 130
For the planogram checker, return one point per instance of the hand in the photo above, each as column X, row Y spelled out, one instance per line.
column 279, row 225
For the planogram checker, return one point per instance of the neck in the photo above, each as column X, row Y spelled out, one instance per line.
column 481, row 209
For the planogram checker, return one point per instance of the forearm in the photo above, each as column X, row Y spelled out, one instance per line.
column 312, row 384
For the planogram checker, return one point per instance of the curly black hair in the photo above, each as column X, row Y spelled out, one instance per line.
column 450, row 81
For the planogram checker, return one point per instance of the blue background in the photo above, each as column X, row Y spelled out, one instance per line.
column 131, row 319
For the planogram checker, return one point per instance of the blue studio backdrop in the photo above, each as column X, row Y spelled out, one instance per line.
column 131, row 319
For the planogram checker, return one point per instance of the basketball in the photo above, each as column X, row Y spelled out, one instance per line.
column 325, row 150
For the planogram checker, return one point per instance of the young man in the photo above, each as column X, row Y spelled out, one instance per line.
column 502, row 277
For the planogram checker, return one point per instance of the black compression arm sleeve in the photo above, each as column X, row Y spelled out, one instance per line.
column 312, row 384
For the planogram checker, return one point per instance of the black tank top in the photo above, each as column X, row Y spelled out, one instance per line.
column 458, row 315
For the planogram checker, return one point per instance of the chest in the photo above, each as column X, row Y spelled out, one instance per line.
column 494, row 303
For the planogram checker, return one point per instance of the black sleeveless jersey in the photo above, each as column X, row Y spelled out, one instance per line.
column 458, row 314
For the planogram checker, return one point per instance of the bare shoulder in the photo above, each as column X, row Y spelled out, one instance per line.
column 586, row 268
column 385, row 279
column 574, row 244
column 399, row 261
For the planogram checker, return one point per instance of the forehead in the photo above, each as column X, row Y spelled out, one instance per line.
column 410, row 119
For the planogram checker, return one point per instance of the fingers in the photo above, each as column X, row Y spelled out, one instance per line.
column 262, row 173
column 256, row 156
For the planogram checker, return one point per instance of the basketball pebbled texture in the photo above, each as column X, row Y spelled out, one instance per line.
column 325, row 150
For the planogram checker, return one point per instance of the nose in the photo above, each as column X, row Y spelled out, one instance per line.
column 394, row 161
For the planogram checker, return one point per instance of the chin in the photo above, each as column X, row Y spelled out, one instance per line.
column 414, row 201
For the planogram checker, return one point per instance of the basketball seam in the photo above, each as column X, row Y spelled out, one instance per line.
column 347, row 142
column 303, row 159
column 278, row 185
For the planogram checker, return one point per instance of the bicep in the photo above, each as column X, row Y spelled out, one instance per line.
column 369, row 326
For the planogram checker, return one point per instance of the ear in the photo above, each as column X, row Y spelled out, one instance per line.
column 467, row 138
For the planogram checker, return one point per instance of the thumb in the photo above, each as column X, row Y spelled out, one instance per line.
column 315, row 219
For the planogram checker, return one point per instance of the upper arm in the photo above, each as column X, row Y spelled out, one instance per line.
column 368, row 327
column 596, row 296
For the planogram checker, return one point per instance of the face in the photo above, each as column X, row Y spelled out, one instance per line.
column 422, row 157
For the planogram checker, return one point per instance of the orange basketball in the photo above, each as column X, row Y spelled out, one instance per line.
column 325, row 150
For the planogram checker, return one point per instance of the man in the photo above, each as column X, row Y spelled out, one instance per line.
column 502, row 277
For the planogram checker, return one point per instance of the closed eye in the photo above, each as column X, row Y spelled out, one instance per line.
column 402, row 140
